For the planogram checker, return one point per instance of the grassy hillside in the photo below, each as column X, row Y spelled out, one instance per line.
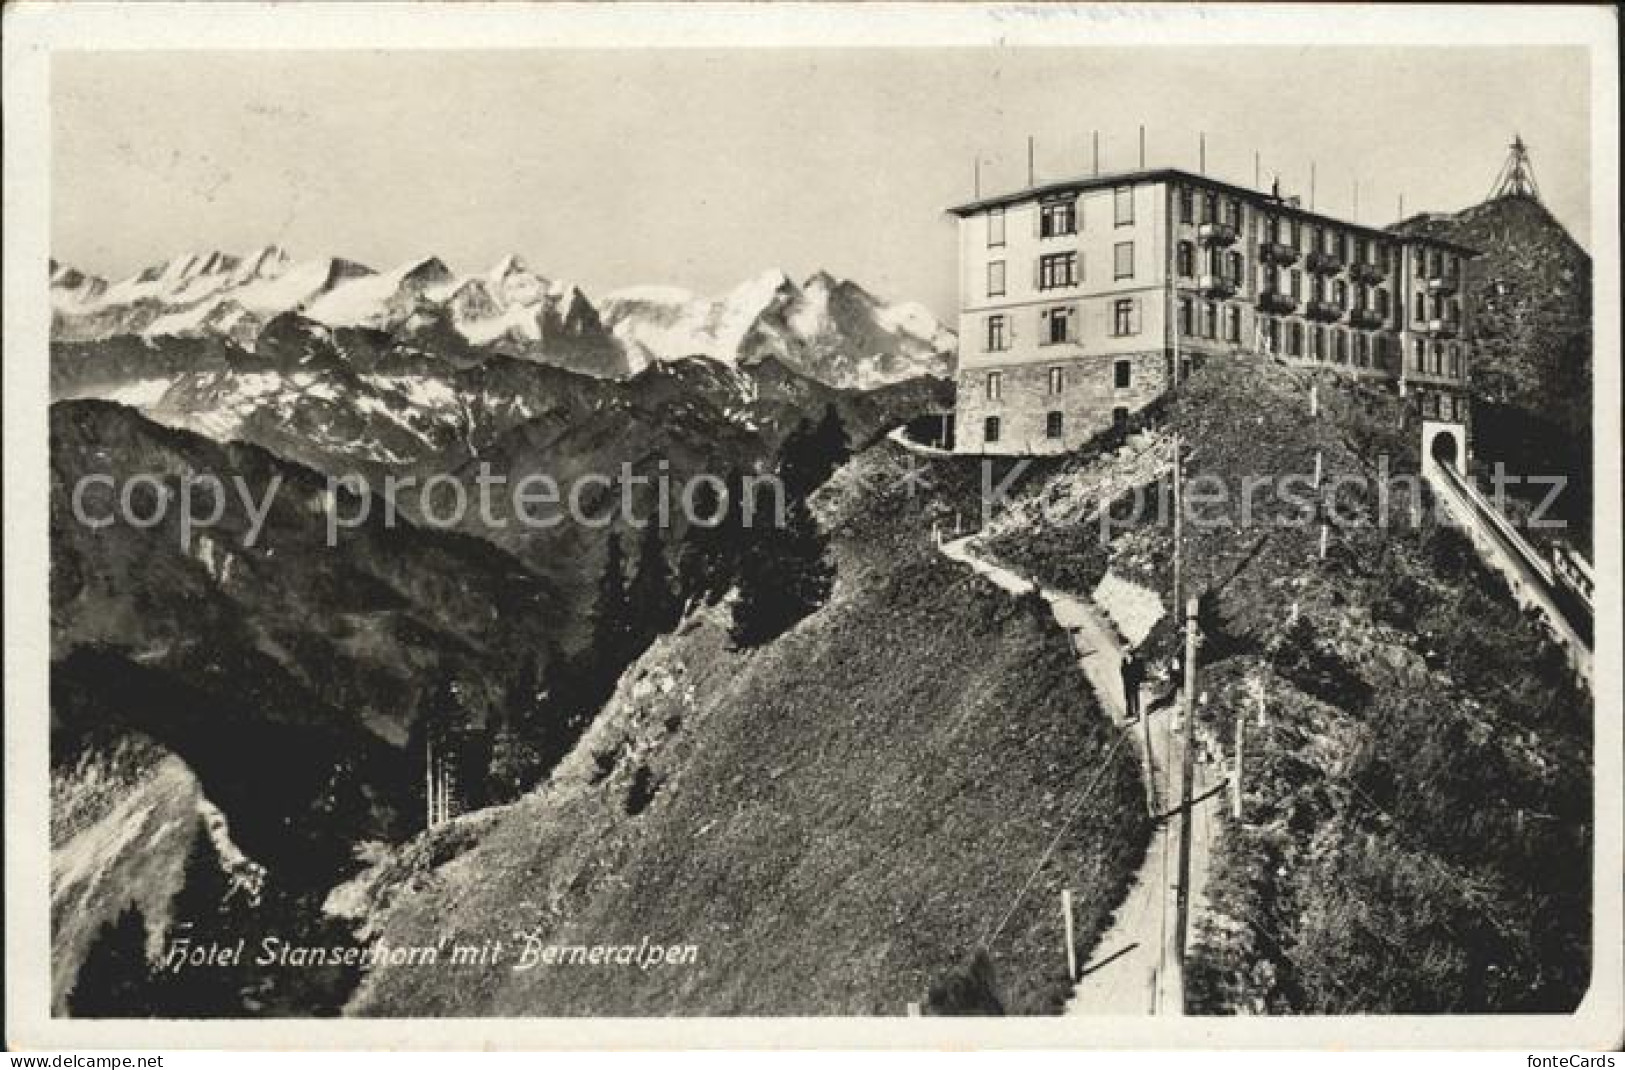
column 1417, row 832
column 835, row 820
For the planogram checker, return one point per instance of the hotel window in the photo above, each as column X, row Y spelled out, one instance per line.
column 1417, row 354
column 1057, row 380
column 1057, row 270
column 1052, row 425
column 1382, row 303
column 1455, row 361
column 1297, row 234
column 1421, row 307
column 1232, row 323
column 1362, row 251
column 995, row 279
column 1340, row 345
column 1437, row 365
column 1297, row 284
column 990, row 429
column 1057, row 325
column 995, row 227
column 1232, row 213
column 1123, row 260
column 1210, row 207
column 1057, row 218
column 1186, row 259
column 1122, row 374
column 1186, row 313
column 997, row 340
column 1187, row 205
column 1210, row 320
column 1294, row 339
column 1123, row 198
column 995, row 386
column 1317, row 343
column 1234, row 267
column 1341, row 246
column 1362, row 350
column 1125, row 317
column 1272, row 334
column 1340, row 294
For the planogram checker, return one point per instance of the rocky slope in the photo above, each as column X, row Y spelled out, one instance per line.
column 1417, row 794
column 1528, row 296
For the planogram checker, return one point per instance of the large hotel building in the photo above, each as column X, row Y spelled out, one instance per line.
column 1068, row 321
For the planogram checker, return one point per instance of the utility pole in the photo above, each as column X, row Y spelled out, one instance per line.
column 1235, row 782
column 1031, row 172
column 428, row 781
column 1187, row 776
column 1071, row 948
column 1096, row 134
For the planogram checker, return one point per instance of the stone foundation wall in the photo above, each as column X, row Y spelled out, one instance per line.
column 1088, row 399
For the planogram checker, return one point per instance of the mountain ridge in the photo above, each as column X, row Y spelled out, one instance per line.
column 827, row 327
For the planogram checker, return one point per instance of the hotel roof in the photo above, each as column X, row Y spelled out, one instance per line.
column 1166, row 174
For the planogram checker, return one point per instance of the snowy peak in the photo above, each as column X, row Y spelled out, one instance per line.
column 829, row 328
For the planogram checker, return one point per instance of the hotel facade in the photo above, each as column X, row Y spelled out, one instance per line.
column 1075, row 296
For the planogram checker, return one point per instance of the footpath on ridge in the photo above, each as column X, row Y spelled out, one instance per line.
column 1121, row 974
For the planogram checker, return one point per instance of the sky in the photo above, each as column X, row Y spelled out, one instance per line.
column 702, row 169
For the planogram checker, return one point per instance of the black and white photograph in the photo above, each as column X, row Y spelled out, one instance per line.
column 1105, row 517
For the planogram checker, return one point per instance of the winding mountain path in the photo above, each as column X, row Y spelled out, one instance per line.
column 1121, row 975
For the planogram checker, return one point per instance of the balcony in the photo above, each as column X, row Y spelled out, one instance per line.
column 1276, row 301
column 1442, row 284
column 1368, row 319
column 1323, row 263
column 1325, row 311
column 1367, row 273
column 1444, row 328
column 1216, row 234
column 1276, row 252
column 1216, row 286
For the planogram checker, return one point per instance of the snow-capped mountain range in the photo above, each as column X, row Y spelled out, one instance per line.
column 829, row 328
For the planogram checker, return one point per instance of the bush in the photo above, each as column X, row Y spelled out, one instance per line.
column 967, row 988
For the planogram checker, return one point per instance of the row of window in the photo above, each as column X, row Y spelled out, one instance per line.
column 1207, row 320
column 1208, row 206
column 1058, row 325
column 1122, row 379
column 1438, row 307
column 1443, row 407
column 1058, row 271
column 1054, row 424
column 1434, row 406
column 1059, row 216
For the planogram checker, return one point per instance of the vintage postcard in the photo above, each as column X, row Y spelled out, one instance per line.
column 812, row 525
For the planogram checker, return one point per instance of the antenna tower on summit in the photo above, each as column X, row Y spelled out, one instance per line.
column 1517, row 177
